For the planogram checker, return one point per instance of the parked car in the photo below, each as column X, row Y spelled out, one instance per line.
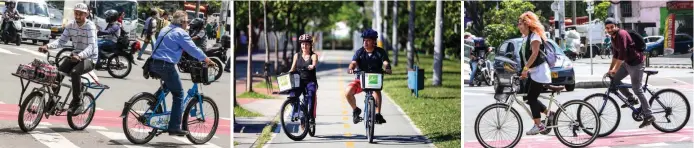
column 56, row 21
column 654, row 44
column 562, row 73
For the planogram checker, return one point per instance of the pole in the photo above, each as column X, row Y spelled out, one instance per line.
column 394, row 41
column 590, row 29
column 197, row 9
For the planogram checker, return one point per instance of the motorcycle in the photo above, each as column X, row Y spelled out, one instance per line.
column 216, row 53
column 13, row 32
column 484, row 73
column 111, row 58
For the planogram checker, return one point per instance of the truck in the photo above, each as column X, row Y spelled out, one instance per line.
column 98, row 7
column 36, row 23
column 597, row 35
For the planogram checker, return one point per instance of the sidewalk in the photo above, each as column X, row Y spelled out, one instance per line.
column 248, row 129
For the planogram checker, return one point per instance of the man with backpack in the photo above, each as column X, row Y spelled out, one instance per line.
column 628, row 59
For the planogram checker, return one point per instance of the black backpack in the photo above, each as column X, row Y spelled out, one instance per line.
column 637, row 39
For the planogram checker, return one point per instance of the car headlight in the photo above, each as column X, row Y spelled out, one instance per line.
column 567, row 64
column 46, row 26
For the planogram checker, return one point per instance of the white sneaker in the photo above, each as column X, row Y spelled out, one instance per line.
column 535, row 130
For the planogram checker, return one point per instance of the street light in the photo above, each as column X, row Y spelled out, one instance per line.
column 590, row 29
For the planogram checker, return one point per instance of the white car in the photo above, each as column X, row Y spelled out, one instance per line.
column 36, row 22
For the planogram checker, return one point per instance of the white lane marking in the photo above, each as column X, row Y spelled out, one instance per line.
column 660, row 144
column 34, row 52
column 45, row 124
column 479, row 89
column 206, row 145
column 631, row 130
column 683, row 138
column 50, row 138
column 7, row 51
column 2, row 102
column 97, row 128
column 224, row 118
column 120, row 139
column 475, row 94
column 99, row 108
column 194, row 133
column 678, row 80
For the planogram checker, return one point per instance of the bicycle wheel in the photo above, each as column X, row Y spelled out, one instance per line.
column 499, row 123
column 609, row 113
column 573, row 124
column 290, row 110
column 671, row 111
column 141, row 133
column 30, row 113
column 200, row 118
column 370, row 120
column 84, row 115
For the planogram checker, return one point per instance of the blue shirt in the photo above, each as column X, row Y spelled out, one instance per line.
column 170, row 46
column 370, row 62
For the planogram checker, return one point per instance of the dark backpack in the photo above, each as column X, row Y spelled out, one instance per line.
column 637, row 39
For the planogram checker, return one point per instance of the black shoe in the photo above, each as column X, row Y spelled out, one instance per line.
column 179, row 133
column 647, row 121
column 632, row 101
column 379, row 119
column 355, row 115
column 140, row 58
column 74, row 106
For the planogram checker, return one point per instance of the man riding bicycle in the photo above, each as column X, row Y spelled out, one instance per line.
column 479, row 52
column 627, row 60
column 82, row 32
column 369, row 59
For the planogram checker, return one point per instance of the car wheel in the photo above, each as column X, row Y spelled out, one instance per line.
column 570, row 87
column 34, row 41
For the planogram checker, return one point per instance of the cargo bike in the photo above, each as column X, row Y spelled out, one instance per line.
column 46, row 101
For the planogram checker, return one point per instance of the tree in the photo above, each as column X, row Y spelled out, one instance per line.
column 438, row 56
column 601, row 10
column 249, row 66
column 502, row 22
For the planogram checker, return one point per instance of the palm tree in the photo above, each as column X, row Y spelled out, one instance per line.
column 438, row 56
column 410, row 37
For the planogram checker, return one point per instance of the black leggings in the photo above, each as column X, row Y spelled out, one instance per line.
column 534, row 89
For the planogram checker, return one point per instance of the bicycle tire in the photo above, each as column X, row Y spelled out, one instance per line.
column 144, row 96
column 371, row 119
column 605, row 126
column 90, row 116
column 110, row 68
column 187, row 114
column 560, row 112
column 25, row 104
column 686, row 104
column 285, row 128
column 503, row 106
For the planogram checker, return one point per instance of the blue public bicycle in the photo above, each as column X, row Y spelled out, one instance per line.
column 370, row 105
column 669, row 107
column 45, row 100
column 151, row 118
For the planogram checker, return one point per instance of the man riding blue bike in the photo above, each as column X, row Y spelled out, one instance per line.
column 82, row 32
column 479, row 52
column 627, row 60
column 369, row 59
column 170, row 47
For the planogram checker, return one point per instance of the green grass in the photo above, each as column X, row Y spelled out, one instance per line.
column 437, row 110
column 236, row 143
column 254, row 95
column 267, row 133
column 241, row 112
column 262, row 85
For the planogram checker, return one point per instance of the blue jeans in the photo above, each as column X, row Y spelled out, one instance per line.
column 142, row 50
column 309, row 91
column 473, row 64
column 172, row 82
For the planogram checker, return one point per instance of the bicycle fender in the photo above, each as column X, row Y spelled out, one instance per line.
column 128, row 103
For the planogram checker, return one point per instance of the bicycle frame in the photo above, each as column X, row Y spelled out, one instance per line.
column 518, row 98
column 298, row 106
column 193, row 91
column 613, row 90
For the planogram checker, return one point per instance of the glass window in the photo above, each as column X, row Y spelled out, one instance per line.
column 29, row 8
column 502, row 49
column 130, row 8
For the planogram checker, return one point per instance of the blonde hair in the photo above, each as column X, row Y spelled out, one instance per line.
column 533, row 22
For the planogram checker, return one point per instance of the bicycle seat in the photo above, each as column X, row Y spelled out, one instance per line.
column 554, row 88
column 91, row 76
column 650, row 72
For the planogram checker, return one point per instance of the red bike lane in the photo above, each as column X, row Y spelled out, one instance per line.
column 618, row 138
column 105, row 118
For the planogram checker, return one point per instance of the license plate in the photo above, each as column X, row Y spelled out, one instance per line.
column 30, row 35
column 555, row 75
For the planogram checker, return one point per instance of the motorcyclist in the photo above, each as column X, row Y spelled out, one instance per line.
column 479, row 51
column 10, row 14
column 197, row 33
column 111, row 33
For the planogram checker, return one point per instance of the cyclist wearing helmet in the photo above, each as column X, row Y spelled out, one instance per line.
column 112, row 31
column 371, row 59
column 479, row 52
column 197, row 34
column 10, row 13
column 305, row 63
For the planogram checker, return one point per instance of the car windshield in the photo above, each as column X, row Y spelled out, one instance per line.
column 130, row 8
column 57, row 13
column 29, row 8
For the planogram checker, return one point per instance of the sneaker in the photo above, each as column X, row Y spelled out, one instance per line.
column 140, row 58
column 355, row 115
column 380, row 119
column 536, row 129
column 632, row 101
column 647, row 121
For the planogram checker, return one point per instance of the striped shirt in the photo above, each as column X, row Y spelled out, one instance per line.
column 83, row 40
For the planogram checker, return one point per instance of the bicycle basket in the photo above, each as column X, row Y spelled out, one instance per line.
column 371, row 81
column 288, row 81
column 199, row 73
